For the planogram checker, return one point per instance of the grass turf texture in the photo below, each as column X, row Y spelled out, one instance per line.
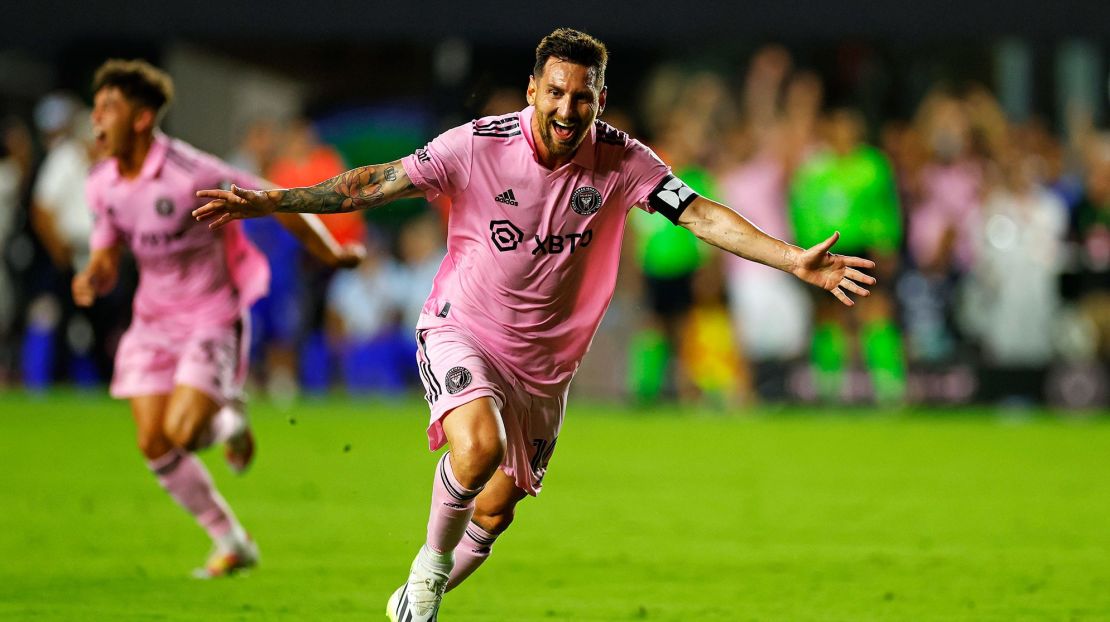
column 662, row 516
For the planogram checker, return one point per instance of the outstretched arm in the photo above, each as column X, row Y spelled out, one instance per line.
column 365, row 187
column 724, row 228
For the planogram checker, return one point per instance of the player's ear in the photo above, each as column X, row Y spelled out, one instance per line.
column 530, row 94
column 601, row 100
column 144, row 120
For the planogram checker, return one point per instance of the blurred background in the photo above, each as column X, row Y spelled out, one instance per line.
column 963, row 146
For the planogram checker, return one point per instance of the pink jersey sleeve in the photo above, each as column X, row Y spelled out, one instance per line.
column 104, row 233
column 643, row 170
column 651, row 186
column 443, row 166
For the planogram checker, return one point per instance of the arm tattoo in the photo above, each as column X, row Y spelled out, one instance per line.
column 361, row 188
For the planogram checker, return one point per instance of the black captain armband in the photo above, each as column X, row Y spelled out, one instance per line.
column 671, row 197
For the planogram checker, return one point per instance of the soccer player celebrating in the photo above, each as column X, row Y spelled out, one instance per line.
column 539, row 202
column 182, row 361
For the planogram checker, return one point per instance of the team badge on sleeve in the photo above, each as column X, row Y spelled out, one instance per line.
column 585, row 200
column 458, row 379
column 671, row 197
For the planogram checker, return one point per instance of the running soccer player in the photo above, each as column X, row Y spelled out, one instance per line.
column 539, row 203
column 181, row 363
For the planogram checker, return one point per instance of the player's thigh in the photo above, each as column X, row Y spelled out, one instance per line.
column 149, row 412
column 188, row 412
column 495, row 506
column 477, row 438
column 457, row 376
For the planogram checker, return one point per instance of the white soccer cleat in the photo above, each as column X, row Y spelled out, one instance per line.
column 418, row 600
column 393, row 606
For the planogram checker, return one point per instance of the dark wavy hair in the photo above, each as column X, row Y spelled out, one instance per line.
column 139, row 81
column 574, row 46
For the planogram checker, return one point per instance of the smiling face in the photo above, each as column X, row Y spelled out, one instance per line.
column 568, row 98
column 116, row 121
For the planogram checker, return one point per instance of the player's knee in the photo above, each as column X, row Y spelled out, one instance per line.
column 487, row 451
column 474, row 459
column 182, row 430
column 153, row 444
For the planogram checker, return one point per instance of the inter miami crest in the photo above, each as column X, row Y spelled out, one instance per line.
column 585, row 200
column 458, row 379
column 164, row 206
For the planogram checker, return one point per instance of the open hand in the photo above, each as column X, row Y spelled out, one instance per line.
column 835, row 273
column 234, row 204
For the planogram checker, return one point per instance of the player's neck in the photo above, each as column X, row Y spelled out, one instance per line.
column 131, row 162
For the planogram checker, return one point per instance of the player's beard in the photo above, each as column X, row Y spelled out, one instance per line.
column 557, row 147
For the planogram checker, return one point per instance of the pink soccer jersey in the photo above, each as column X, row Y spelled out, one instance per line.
column 532, row 253
column 189, row 275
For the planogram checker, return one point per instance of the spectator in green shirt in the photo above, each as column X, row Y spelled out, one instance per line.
column 849, row 186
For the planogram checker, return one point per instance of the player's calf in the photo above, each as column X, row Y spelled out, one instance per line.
column 474, row 549
column 231, row 427
column 239, row 452
column 493, row 513
column 419, row 597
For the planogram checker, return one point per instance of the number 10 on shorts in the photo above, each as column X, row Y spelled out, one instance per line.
column 542, row 456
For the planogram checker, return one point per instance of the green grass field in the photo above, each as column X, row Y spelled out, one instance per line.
column 645, row 516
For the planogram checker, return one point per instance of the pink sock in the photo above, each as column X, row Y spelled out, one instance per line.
column 183, row 476
column 473, row 549
column 452, row 507
column 227, row 422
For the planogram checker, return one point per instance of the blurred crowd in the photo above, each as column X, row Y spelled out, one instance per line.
column 991, row 238
column 991, row 241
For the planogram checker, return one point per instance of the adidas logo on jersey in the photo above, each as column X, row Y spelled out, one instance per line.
column 506, row 197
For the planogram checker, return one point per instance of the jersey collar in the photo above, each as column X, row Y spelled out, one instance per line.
column 156, row 157
column 152, row 164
